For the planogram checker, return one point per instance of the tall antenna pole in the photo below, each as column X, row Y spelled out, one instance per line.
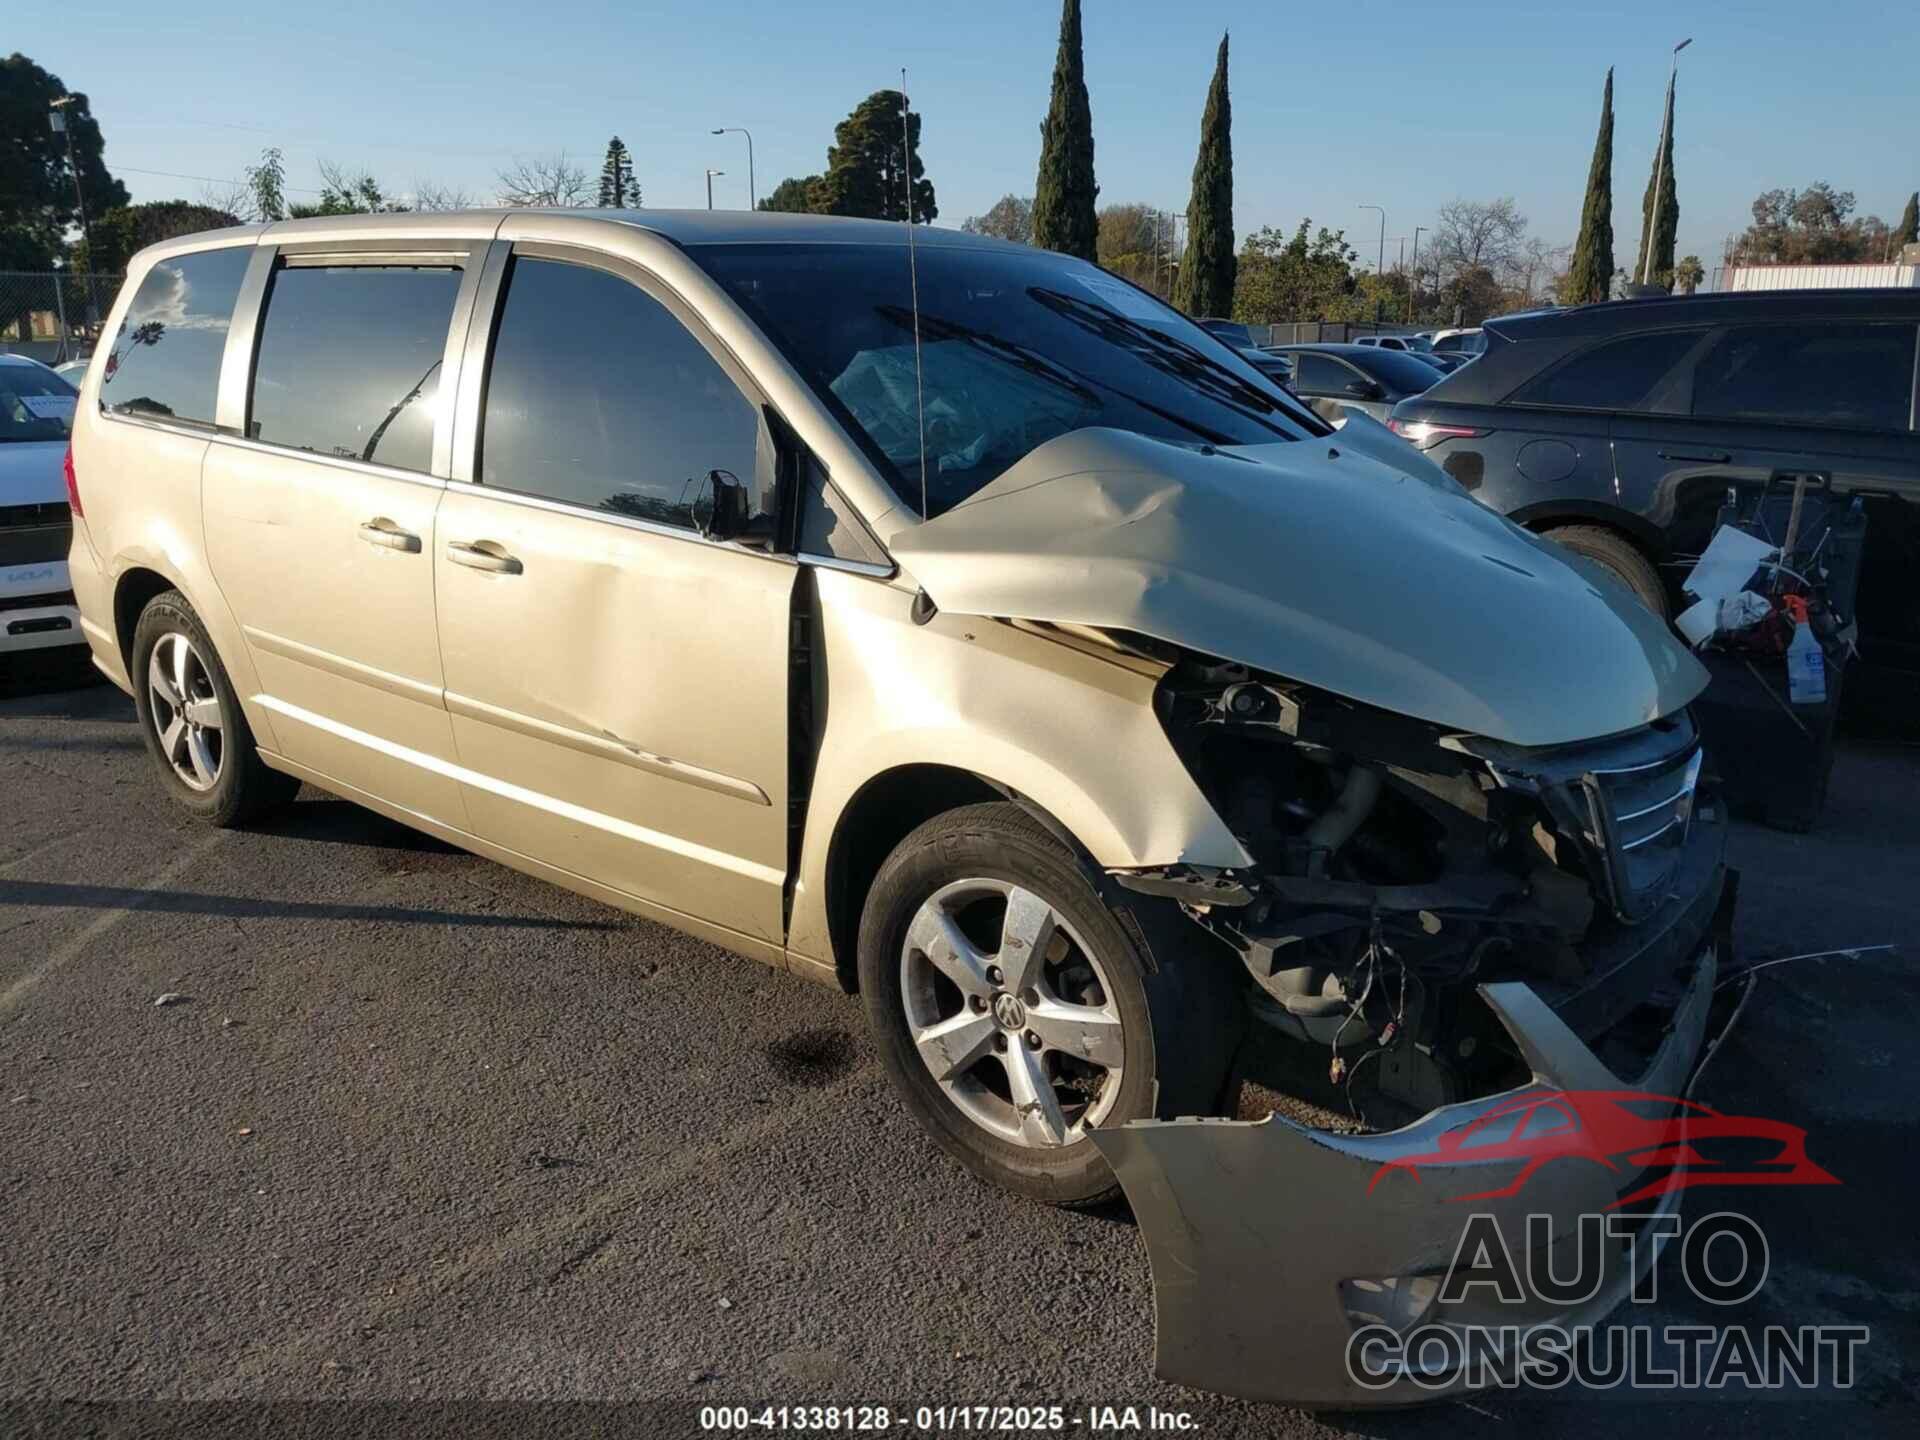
column 1660, row 167
column 913, row 275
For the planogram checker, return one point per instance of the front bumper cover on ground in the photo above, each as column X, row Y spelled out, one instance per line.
column 1258, row 1233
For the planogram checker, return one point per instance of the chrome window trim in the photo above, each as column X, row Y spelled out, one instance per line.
column 314, row 257
column 852, row 567
column 338, row 462
column 609, row 517
column 191, row 429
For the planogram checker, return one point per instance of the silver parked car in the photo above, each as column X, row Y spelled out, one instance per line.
column 956, row 625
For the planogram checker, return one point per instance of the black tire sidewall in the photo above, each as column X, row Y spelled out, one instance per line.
column 1619, row 558
column 166, row 614
column 1001, row 842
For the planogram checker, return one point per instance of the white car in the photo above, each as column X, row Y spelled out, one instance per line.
column 36, row 526
column 1417, row 344
column 1471, row 340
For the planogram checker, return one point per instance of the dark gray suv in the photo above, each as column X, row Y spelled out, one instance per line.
column 1617, row 428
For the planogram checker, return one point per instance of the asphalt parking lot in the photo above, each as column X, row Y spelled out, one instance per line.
column 424, row 1129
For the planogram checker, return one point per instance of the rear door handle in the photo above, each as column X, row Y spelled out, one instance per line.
column 389, row 536
column 1712, row 457
column 483, row 555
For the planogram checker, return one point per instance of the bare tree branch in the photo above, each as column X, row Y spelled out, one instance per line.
column 545, row 180
column 1478, row 235
column 432, row 195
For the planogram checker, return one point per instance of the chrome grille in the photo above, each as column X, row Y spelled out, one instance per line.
column 1638, row 823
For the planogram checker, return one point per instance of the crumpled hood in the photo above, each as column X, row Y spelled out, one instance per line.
column 1318, row 563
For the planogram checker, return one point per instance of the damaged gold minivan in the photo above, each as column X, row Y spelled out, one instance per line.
column 956, row 624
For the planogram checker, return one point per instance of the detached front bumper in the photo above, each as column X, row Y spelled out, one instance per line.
column 1271, row 1245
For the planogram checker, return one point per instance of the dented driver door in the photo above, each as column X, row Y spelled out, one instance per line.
column 617, row 682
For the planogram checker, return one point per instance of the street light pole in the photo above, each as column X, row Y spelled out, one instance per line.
column 1413, row 284
column 1660, row 166
column 1380, row 267
column 57, row 118
column 753, row 198
column 710, row 175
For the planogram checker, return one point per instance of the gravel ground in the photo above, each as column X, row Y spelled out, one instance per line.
column 423, row 1130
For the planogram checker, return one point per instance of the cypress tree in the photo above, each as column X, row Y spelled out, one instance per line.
column 1205, row 286
column 1590, row 275
column 1657, row 227
column 1908, row 230
column 1064, row 193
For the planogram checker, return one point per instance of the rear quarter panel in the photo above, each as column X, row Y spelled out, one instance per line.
column 140, row 488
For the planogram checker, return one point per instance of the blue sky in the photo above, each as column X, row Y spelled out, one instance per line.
column 1399, row 104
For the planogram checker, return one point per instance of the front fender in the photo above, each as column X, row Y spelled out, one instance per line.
column 1074, row 733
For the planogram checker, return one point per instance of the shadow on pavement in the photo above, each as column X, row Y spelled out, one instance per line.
column 53, row 684
column 332, row 821
column 61, row 895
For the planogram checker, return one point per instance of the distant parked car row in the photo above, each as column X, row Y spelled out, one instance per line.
column 1365, row 378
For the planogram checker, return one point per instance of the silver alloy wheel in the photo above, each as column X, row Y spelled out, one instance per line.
column 1019, row 1057
column 184, row 710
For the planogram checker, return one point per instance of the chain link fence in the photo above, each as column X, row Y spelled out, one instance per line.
column 56, row 315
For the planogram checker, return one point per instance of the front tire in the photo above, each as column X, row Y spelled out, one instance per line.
column 1015, row 1012
column 192, row 721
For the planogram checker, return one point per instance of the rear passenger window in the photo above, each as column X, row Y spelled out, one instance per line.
column 165, row 362
column 1856, row 375
column 597, row 395
column 1617, row 375
column 1317, row 375
column 350, row 361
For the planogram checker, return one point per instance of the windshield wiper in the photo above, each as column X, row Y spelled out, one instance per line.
column 1014, row 353
column 1032, row 361
column 1170, row 354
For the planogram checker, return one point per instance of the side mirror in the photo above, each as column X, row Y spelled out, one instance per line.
column 720, row 509
column 1364, row 390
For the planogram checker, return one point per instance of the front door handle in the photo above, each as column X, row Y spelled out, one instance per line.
column 389, row 536
column 483, row 555
column 1712, row 457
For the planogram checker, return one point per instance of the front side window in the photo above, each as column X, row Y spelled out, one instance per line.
column 1859, row 375
column 1618, row 374
column 598, row 396
column 35, row 404
column 1016, row 348
column 165, row 362
column 350, row 361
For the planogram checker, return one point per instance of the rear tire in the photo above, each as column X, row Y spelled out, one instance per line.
column 1621, row 556
column 192, row 720
column 1103, row 965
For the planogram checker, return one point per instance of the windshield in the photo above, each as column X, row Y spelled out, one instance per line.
column 1016, row 347
column 35, row 404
